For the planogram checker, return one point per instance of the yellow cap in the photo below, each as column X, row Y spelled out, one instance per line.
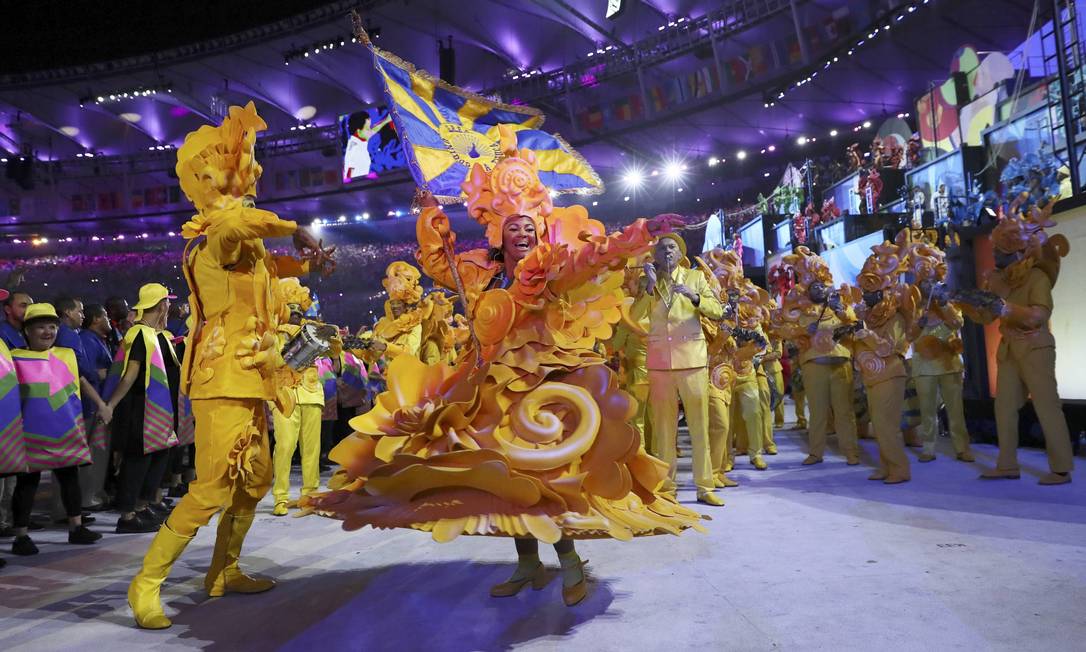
column 151, row 294
column 40, row 311
column 677, row 238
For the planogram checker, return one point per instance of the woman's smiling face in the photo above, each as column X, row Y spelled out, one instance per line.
column 518, row 238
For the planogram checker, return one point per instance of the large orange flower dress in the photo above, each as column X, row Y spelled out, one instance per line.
column 530, row 435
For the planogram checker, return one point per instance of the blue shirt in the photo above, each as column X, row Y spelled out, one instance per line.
column 69, row 338
column 97, row 355
column 13, row 338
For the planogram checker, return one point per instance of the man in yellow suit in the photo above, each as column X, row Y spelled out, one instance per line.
column 936, row 364
column 1027, row 266
column 302, row 425
column 671, row 300
column 230, row 361
column 815, row 319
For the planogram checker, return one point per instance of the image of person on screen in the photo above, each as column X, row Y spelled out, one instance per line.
column 356, row 158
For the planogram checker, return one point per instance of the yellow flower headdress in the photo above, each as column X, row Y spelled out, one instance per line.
column 402, row 282
column 217, row 163
column 926, row 262
column 292, row 293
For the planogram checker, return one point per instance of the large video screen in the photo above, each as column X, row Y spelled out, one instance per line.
column 371, row 145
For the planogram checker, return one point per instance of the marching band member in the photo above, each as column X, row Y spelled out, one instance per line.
column 888, row 310
column 1019, row 295
column 936, row 364
column 815, row 319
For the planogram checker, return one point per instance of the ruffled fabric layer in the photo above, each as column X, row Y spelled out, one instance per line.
column 536, row 445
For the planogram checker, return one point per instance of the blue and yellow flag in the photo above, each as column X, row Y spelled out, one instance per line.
column 446, row 130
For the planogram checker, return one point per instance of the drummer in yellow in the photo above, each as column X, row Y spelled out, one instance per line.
column 229, row 365
column 302, row 425
column 670, row 300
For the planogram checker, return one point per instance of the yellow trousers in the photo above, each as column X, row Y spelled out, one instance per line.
column 929, row 389
column 885, row 402
column 778, row 412
column 640, row 393
column 666, row 389
column 1033, row 371
column 720, row 430
column 766, row 412
column 799, row 397
column 302, row 426
column 830, row 386
column 233, row 463
column 747, row 410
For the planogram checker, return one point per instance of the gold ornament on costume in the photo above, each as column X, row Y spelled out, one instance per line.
column 882, row 268
column 809, row 267
column 871, row 364
column 495, row 311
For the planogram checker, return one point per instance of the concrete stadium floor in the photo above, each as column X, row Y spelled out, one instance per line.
column 801, row 558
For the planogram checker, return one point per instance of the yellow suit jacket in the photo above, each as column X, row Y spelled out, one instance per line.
column 675, row 337
column 231, row 276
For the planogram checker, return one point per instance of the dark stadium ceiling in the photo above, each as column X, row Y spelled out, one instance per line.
column 211, row 54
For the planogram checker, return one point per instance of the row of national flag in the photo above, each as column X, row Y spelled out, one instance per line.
column 753, row 64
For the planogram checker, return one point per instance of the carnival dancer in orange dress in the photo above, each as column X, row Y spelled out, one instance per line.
column 528, row 435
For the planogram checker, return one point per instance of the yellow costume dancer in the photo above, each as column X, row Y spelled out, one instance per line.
column 528, row 436
column 815, row 319
column 401, row 327
column 937, row 353
column 671, row 300
column 799, row 396
column 302, row 425
column 228, row 368
column 889, row 310
column 1027, row 265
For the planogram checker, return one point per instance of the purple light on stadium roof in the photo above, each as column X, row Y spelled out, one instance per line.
column 179, row 111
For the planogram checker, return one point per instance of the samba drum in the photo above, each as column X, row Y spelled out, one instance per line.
column 304, row 348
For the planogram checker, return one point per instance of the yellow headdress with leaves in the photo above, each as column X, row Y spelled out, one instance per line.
column 217, row 163
column 293, row 293
column 402, row 282
column 882, row 268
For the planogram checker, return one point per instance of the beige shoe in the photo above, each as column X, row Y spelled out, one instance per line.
column 896, row 479
column 1055, row 478
column 878, row 475
column 225, row 576
column 966, row 456
column 729, row 466
column 280, row 509
column 710, row 498
column 758, row 463
column 722, row 481
column 811, row 459
column 771, row 449
column 1000, row 474
column 852, row 460
column 925, row 457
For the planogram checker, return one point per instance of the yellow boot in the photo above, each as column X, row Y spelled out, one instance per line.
column 225, row 575
column 143, row 591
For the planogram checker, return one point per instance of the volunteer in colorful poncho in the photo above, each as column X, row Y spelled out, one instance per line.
column 302, row 425
column 529, row 435
column 142, row 390
column 229, row 366
column 54, row 437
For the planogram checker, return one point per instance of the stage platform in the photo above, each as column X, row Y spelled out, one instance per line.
column 801, row 558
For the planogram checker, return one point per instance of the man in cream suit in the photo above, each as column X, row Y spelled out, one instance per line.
column 670, row 300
